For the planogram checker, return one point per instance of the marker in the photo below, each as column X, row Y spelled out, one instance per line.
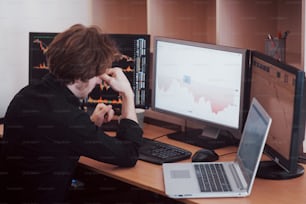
column 285, row 34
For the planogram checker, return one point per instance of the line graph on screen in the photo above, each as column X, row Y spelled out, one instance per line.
column 196, row 100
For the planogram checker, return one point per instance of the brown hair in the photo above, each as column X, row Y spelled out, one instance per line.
column 80, row 53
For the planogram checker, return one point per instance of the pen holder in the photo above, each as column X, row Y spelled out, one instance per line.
column 276, row 48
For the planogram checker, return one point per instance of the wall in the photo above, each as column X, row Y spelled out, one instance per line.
column 183, row 19
column 17, row 19
column 289, row 12
column 121, row 16
column 246, row 23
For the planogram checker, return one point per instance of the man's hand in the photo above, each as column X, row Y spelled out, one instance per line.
column 102, row 114
column 117, row 80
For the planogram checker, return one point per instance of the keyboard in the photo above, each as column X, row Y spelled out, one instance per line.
column 158, row 152
column 212, row 178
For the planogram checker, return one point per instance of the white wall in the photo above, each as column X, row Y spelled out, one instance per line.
column 17, row 19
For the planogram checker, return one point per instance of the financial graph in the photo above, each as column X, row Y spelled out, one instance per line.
column 196, row 94
column 198, row 84
column 274, row 88
column 43, row 47
column 38, row 46
column 214, row 104
column 133, row 60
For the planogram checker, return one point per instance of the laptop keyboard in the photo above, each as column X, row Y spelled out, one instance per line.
column 212, row 178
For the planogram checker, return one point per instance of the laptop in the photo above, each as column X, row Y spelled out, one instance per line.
column 188, row 180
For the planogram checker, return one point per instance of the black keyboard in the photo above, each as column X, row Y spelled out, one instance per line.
column 158, row 152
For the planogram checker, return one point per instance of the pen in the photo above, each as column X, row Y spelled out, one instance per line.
column 285, row 34
column 270, row 38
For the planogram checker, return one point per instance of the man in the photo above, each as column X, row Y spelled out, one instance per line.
column 45, row 130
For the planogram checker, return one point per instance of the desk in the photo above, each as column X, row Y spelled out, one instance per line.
column 149, row 177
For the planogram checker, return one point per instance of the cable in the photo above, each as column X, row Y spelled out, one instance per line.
column 222, row 155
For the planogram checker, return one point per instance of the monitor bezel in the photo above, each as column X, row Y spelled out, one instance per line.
column 298, row 126
column 244, row 104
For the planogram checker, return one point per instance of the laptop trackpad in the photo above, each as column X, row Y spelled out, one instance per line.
column 183, row 179
column 180, row 174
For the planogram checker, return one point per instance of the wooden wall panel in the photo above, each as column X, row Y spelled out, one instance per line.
column 289, row 18
column 121, row 16
column 183, row 19
column 245, row 23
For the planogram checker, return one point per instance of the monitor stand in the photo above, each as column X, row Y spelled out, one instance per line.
column 211, row 138
column 271, row 170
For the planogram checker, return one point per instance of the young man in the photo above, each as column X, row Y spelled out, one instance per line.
column 45, row 130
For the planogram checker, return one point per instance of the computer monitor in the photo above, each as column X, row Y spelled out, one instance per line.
column 135, row 62
column 279, row 87
column 201, row 82
column 38, row 45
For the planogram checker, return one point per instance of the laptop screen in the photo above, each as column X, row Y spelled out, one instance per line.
column 254, row 133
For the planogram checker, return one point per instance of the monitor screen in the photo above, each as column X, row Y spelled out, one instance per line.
column 202, row 82
column 134, row 61
column 38, row 45
column 280, row 89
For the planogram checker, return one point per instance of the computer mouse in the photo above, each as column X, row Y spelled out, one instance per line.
column 205, row 155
